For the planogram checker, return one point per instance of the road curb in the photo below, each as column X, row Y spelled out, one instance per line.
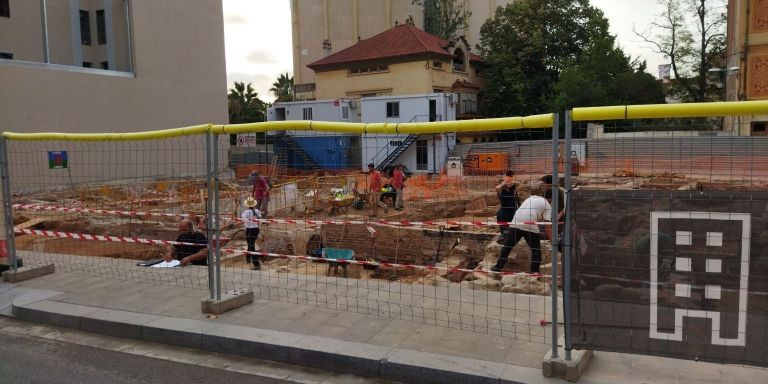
column 311, row 351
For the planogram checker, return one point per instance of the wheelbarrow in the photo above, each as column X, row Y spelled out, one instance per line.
column 338, row 254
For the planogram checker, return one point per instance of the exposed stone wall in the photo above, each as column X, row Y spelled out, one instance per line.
column 404, row 245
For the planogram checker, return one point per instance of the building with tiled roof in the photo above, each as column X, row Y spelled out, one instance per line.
column 403, row 60
column 321, row 28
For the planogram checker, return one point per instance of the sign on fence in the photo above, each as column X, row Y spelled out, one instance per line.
column 57, row 159
column 679, row 274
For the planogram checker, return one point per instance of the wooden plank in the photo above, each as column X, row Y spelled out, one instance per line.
column 31, row 223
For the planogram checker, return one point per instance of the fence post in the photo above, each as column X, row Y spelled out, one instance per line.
column 209, row 211
column 555, row 189
column 215, row 214
column 567, row 236
column 10, row 241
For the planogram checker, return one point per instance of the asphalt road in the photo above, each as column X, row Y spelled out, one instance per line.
column 25, row 359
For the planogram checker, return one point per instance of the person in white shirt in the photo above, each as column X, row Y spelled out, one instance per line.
column 523, row 226
column 251, row 230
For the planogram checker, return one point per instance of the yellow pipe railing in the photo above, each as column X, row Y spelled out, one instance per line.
column 661, row 111
column 506, row 123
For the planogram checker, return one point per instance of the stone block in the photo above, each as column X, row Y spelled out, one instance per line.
column 116, row 323
column 569, row 370
column 52, row 312
column 26, row 273
column 339, row 356
column 229, row 301
column 421, row 367
column 251, row 342
column 176, row 331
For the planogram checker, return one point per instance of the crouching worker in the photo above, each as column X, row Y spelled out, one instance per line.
column 525, row 226
column 194, row 249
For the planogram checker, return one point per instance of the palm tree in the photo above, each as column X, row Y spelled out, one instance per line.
column 244, row 104
column 283, row 88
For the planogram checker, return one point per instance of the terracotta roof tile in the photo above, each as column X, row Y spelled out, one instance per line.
column 463, row 84
column 400, row 41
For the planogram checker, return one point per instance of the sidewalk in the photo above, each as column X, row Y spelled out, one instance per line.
column 324, row 338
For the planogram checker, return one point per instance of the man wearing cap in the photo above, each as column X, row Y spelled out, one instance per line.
column 375, row 194
column 194, row 247
column 250, row 217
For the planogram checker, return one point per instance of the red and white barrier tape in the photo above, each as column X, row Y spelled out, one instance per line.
column 400, row 223
column 137, row 240
column 114, row 239
column 149, row 200
column 91, row 210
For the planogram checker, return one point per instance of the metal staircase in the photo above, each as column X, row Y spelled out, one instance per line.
column 390, row 159
column 292, row 145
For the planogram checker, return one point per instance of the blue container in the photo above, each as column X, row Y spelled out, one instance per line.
column 330, row 152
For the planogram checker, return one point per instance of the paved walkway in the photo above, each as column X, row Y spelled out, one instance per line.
column 430, row 348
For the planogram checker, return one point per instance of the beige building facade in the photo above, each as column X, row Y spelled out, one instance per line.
column 171, row 72
column 152, row 80
column 746, row 71
column 324, row 27
column 403, row 60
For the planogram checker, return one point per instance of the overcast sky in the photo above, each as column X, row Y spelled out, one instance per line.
column 258, row 37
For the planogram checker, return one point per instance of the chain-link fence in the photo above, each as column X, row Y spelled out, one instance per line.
column 298, row 216
column 661, row 210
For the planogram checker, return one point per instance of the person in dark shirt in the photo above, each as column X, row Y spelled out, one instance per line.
column 507, row 193
column 194, row 252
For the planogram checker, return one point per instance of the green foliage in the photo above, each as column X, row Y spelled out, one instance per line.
column 283, row 88
column 691, row 34
column 444, row 18
column 549, row 55
column 245, row 105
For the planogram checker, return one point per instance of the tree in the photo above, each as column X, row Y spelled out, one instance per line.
column 245, row 105
column 444, row 18
column 550, row 55
column 692, row 52
column 283, row 88
column 606, row 76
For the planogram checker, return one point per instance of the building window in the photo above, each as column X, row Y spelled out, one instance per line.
column 85, row 27
column 437, row 64
column 5, row 8
column 6, row 55
column 422, row 155
column 101, row 27
column 87, row 64
column 395, row 143
column 104, row 64
column 344, row 112
column 470, row 106
column 458, row 61
column 367, row 70
column 306, row 113
column 393, row 109
column 759, row 128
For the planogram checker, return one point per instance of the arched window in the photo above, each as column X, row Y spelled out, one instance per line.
column 458, row 60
